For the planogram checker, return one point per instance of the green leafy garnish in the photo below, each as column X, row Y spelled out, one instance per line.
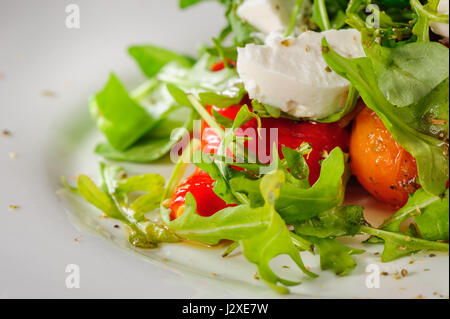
column 274, row 241
column 152, row 59
column 408, row 73
column 429, row 152
column 113, row 198
column 296, row 204
column 119, row 117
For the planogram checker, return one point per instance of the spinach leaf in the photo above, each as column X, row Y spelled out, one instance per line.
column 121, row 119
column 155, row 144
column 429, row 152
column 152, row 59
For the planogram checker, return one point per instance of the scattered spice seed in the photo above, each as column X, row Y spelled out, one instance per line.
column 407, row 238
column 404, row 272
column 420, row 297
column 13, row 207
column 123, row 175
column 213, row 274
column 48, row 93
column 307, row 48
column 255, row 276
column 385, row 273
column 116, row 226
column 426, row 269
column 6, row 133
column 438, row 122
column 419, row 212
column 12, row 155
column 166, row 203
column 377, row 253
column 432, row 255
column 286, row 43
column 76, row 240
column 286, row 267
column 328, row 69
column 2, row 76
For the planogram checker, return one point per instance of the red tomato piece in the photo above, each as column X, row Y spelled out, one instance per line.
column 200, row 185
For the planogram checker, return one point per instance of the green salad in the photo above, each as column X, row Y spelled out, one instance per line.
column 290, row 101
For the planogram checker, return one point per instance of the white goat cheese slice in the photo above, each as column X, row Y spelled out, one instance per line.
column 441, row 28
column 266, row 15
column 291, row 74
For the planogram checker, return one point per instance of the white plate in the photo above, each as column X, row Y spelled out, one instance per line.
column 54, row 136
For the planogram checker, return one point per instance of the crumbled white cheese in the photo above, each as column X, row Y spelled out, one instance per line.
column 266, row 15
column 291, row 74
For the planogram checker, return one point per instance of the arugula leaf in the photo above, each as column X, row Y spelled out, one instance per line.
column 222, row 120
column 221, row 100
column 408, row 73
column 296, row 163
column 430, row 212
column 113, row 199
column 96, row 197
column 232, row 223
column 221, row 187
column 152, row 59
column 264, row 110
column 329, row 14
column 335, row 256
column 433, row 222
column 274, row 241
column 322, row 230
column 431, row 114
column 296, row 204
column 187, row 3
column 397, row 245
column 200, row 78
column 122, row 120
column 337, row 222
column 243, row 32
column 425, row 14
column 428, row 151
column 294, row 18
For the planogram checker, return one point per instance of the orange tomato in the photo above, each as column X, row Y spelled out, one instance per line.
column 380, row 164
